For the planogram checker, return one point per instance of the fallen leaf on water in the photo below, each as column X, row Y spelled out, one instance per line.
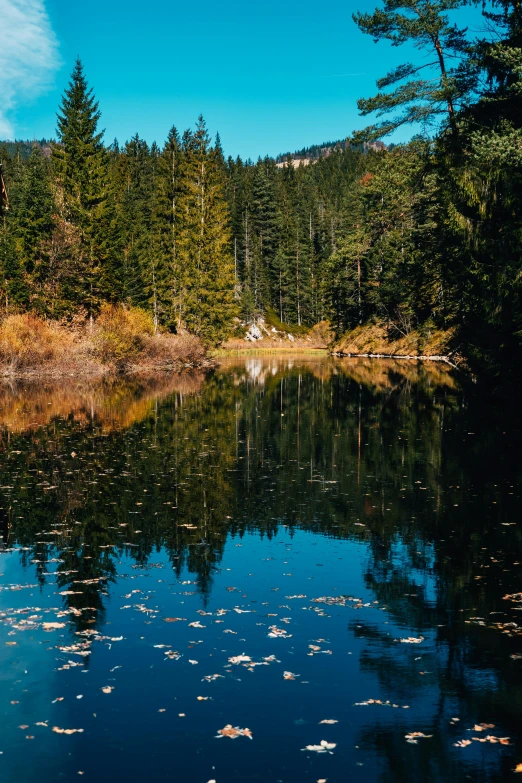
column 107, row 688
column 518, row 768
column 386, row 703
column 412, row 640
column 323, row 747
column 57, row 730
column 290, row 676
column 328, row 720
column 173, row 619
column 412, row 737
column 239, row 658
column 52, row 626
column 233, row 732
column 278, row 633
column 462, row 743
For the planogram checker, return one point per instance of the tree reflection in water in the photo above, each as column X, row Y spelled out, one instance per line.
column 396, row 456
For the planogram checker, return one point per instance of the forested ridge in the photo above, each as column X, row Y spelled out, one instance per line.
column 421, row 236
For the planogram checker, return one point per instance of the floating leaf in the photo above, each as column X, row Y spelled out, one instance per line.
column 323, row 747
column 57, row 730
column 234, row 732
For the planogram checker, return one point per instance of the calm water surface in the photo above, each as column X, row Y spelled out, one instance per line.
column 314, row 551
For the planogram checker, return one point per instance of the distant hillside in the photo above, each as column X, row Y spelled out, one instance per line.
column 309, row 155
column 303, row 156
column 23, row 148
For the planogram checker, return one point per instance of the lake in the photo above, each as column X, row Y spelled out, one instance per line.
column 289, row 570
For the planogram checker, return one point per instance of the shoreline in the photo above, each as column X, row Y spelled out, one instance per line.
column 102, row 372
column 268, row 351
column 400, row 357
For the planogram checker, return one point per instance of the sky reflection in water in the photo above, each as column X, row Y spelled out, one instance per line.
column 312, row 550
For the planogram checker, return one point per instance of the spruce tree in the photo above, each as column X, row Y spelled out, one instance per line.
column 14, row 288
column 204, row 260
column 265, row 229
column 166, row 221
column 35, row 224
column 80, row 162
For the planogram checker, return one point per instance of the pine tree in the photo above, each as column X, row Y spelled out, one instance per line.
column 166, row 228
column 265, row 229
column 14, row 289
column 80, row 162
column 440, row 94
column 205, row 263
column 35, row 224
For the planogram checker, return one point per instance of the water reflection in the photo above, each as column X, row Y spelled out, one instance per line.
column 110, row 404
column 413, row 472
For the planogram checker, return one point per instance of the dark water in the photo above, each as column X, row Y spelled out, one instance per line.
column 272, row 547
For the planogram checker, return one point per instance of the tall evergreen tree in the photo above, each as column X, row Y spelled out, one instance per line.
column 439, row 94
column 80, row 162
column 166, row 228
column 35, row 224
column 204, row 261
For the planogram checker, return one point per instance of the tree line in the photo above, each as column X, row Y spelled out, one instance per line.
column 424, row 235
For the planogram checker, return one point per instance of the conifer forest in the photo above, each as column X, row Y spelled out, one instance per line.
column 423, row 235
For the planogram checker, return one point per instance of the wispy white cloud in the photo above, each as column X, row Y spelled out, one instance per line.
column 28, row 56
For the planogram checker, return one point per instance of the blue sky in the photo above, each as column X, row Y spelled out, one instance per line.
column 271, row 76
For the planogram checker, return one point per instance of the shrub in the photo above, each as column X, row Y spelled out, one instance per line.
column 121, row 339
column 169, row 350
column 26, row 340
column 120, row 334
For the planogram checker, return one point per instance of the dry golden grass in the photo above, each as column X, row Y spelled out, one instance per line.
column 26, row 341
column 166, row 351
column 317, row 338
column 121, row 340
column 377, row 339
